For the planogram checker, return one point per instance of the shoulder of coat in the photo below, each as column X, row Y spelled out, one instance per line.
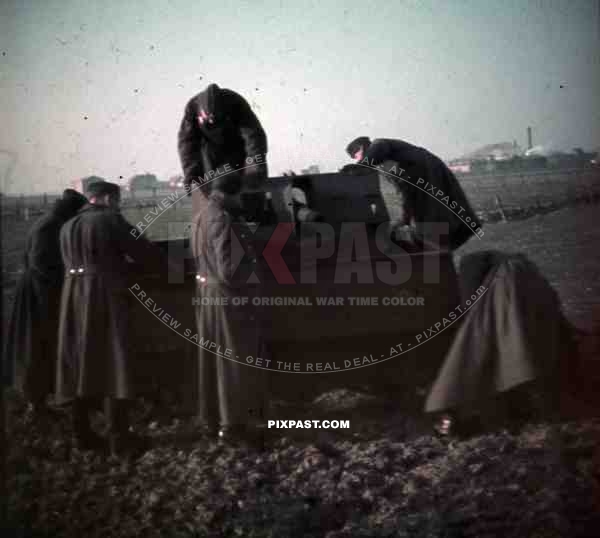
column 233, row 100
column 191, row 105
column 227, row 93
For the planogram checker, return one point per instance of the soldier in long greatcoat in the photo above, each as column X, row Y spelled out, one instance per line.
column 219, row 129
column 514, row 340
column 232, row 391
column 94, row 348
column 438, row 198
column 33, row 327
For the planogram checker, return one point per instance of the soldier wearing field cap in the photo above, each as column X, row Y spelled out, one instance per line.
column 419, row 191
column 94, row 348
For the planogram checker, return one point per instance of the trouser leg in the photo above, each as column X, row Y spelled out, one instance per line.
column 208, row 396
column 81, row 417
column 394, row 200
column 117, row 415
column 86, row 437
column 121, row 440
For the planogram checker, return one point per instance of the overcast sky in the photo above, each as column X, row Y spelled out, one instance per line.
column 101, row 89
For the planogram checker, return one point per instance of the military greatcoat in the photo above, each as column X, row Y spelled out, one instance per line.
column 94, row 345
column 232, row 390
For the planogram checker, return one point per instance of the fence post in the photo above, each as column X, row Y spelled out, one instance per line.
column 499, row 208
column 20, row 209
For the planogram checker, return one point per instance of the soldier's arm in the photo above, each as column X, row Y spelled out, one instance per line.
column 227, row 243
column 379, row 151
column 253, row 134
column 143, row 252
column 384, row 149
column 189, row 146
column 220, row 249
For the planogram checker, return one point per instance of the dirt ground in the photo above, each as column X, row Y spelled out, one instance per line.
column 565, row 245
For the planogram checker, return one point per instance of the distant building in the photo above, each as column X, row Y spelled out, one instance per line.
column 542, row 151
column 459, row 166
column 508, row 158
column 81, row 184
column 562, row 159
column 576, row 159
column 142, row 182
column 176, row 182
column 494, row 152
column 498, row 158
column 486, row 158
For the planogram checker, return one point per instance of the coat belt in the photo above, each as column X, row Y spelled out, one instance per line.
column 80, row 270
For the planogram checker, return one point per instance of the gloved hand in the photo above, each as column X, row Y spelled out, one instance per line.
column 305, row 214
column 255, row 177
column 405, row 236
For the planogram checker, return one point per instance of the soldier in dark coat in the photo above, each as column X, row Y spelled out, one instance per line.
column 219, row 132
column 417, row 189
column 33, row 327
column 232, row 390
column 514, row 340
column 94, row 346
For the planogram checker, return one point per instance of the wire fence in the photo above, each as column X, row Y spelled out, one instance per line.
column 534, row 189
column 27, row 206
column 489, row 192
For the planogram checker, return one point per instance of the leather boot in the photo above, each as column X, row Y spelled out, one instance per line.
column 242, row 435
column 85, row 437
column 122, row 441
column 459, row 425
